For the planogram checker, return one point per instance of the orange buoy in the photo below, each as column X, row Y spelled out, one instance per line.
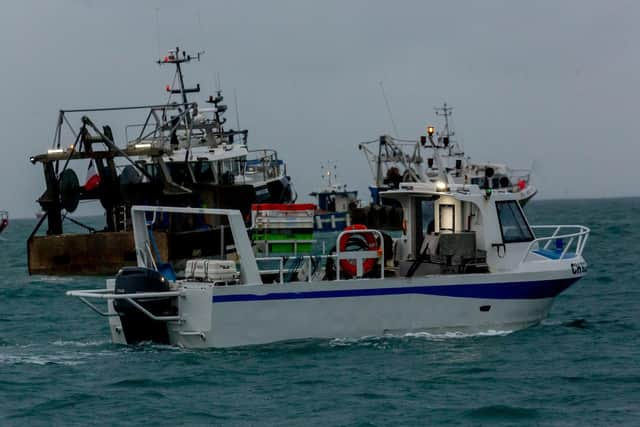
column 365, row 240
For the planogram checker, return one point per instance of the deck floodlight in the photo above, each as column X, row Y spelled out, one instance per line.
column 441, row 186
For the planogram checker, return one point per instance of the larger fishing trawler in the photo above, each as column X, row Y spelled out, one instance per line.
column 178, row 154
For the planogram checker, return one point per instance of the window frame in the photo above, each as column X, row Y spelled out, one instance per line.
column 524, row 218
column 453, row 217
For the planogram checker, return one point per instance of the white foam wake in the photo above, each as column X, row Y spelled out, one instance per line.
column 62, row 343
column 430, row 336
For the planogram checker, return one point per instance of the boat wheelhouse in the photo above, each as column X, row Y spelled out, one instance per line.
column 427, row 158
column 334, row 201
column 467, row 260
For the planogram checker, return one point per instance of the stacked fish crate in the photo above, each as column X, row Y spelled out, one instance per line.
column 283, row 228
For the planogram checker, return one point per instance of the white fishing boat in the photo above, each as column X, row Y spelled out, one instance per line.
column 334, row 201
column 467, row 261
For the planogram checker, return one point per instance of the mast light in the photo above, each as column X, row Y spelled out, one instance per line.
column 431, row 130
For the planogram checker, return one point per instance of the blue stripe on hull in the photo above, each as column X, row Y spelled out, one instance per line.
column 513, row 290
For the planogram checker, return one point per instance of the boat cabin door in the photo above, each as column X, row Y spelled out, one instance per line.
column 423, row 221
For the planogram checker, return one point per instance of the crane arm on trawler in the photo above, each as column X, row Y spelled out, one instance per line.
column 392, row 151
column 112, row 146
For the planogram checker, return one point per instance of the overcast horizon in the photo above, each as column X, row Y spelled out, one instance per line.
column 551, row 85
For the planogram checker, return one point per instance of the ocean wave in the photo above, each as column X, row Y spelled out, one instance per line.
column 17, row 359
column 570, row 323
column 53, row 279
column 28, row 355
column 96, row 343
column 501, row 412
column 458, row 334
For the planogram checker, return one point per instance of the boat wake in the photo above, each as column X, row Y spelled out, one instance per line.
column 62, row 359
column 457, row 334
column 427, row 336
column 61, row 343
column 64, row 353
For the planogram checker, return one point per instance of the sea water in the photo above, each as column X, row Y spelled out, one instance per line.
column 579, row 367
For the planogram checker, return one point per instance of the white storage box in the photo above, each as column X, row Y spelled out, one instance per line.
column 270, row 216
column 210, row 270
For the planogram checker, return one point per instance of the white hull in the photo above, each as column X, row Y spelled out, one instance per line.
column 504, row 286
column 246, row 315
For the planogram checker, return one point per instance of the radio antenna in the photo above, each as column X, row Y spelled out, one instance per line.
column 235, row 101
column 158, row 31
column 386, row 103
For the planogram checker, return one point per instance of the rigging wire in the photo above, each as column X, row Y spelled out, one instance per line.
column 386, row 102
column 235, row 101
column 158, row 32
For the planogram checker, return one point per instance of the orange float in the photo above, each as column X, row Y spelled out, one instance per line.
column 368, row 239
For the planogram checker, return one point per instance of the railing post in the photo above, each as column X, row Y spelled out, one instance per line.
column 381, row 257
column 222, row 254
column 566, row 248
column 555, row 233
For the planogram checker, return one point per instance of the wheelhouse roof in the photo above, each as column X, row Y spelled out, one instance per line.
column 463, row 192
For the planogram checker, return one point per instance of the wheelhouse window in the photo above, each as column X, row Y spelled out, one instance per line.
column 203, row 171
column 512, row 223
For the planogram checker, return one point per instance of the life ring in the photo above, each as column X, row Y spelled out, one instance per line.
column 363, row 241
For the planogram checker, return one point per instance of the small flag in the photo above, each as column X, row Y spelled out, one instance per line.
column 522, row 184
column 93, row 179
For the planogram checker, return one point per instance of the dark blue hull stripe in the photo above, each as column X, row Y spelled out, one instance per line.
column 508, row 290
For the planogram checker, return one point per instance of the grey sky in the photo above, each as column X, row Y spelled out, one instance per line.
column 552, row 82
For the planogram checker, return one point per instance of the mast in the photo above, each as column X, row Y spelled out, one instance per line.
column 445, row 111
column 174, row 57
column 445, row 137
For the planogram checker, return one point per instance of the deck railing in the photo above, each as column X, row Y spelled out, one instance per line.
column 568, row 240
column 358, row 256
